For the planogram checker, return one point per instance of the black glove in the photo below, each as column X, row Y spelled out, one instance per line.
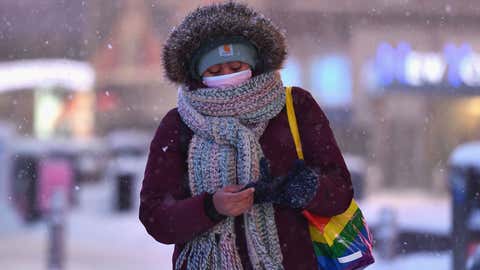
column 294, row 190
column 267, row 186
column 299, row 188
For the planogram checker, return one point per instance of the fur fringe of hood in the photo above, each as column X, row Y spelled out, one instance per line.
column 216, row 21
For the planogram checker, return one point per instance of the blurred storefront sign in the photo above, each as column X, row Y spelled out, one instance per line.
column 63, row 100
column 424, row 98
column 454, row 70
column 61, row 113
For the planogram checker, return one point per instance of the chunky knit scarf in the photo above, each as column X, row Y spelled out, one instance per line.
column 227, row 124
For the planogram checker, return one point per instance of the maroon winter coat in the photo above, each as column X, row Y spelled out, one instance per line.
column 172, row 216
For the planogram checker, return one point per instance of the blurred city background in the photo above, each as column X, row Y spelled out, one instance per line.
column 82, row 91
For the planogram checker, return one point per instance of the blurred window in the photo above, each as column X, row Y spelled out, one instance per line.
column 291, row 73
column 332, row 80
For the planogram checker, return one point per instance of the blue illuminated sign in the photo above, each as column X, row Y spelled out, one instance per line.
column 454, row 67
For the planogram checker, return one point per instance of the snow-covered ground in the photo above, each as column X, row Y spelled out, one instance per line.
column 97, row 238
column 414, row 211
column 437, row 261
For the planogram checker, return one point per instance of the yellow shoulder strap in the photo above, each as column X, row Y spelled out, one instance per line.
column 292, row 121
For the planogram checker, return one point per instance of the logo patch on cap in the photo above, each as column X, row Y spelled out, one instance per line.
column 225, row 50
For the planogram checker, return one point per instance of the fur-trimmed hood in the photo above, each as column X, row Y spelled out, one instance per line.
column 215, row 21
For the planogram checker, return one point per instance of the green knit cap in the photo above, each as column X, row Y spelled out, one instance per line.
column 223, row 50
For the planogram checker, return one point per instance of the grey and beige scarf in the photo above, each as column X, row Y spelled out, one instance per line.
column 227, row 124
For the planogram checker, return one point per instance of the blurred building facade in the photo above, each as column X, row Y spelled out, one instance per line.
column 412, row 94
column 399, row 80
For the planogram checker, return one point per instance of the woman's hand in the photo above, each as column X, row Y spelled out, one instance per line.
column 229, row 202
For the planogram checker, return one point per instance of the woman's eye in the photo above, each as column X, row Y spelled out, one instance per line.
column 235, row 66
column 214, row 70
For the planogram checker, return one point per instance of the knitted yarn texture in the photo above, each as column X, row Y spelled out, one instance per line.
column 227, row 124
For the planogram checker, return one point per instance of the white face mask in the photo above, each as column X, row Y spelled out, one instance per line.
column 228, row 80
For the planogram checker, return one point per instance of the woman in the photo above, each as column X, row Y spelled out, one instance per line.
column 223, row 182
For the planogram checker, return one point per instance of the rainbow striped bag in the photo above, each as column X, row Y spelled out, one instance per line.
column 341, row 242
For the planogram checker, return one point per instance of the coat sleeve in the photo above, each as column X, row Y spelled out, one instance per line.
column 168, row 212
column 322, row 154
